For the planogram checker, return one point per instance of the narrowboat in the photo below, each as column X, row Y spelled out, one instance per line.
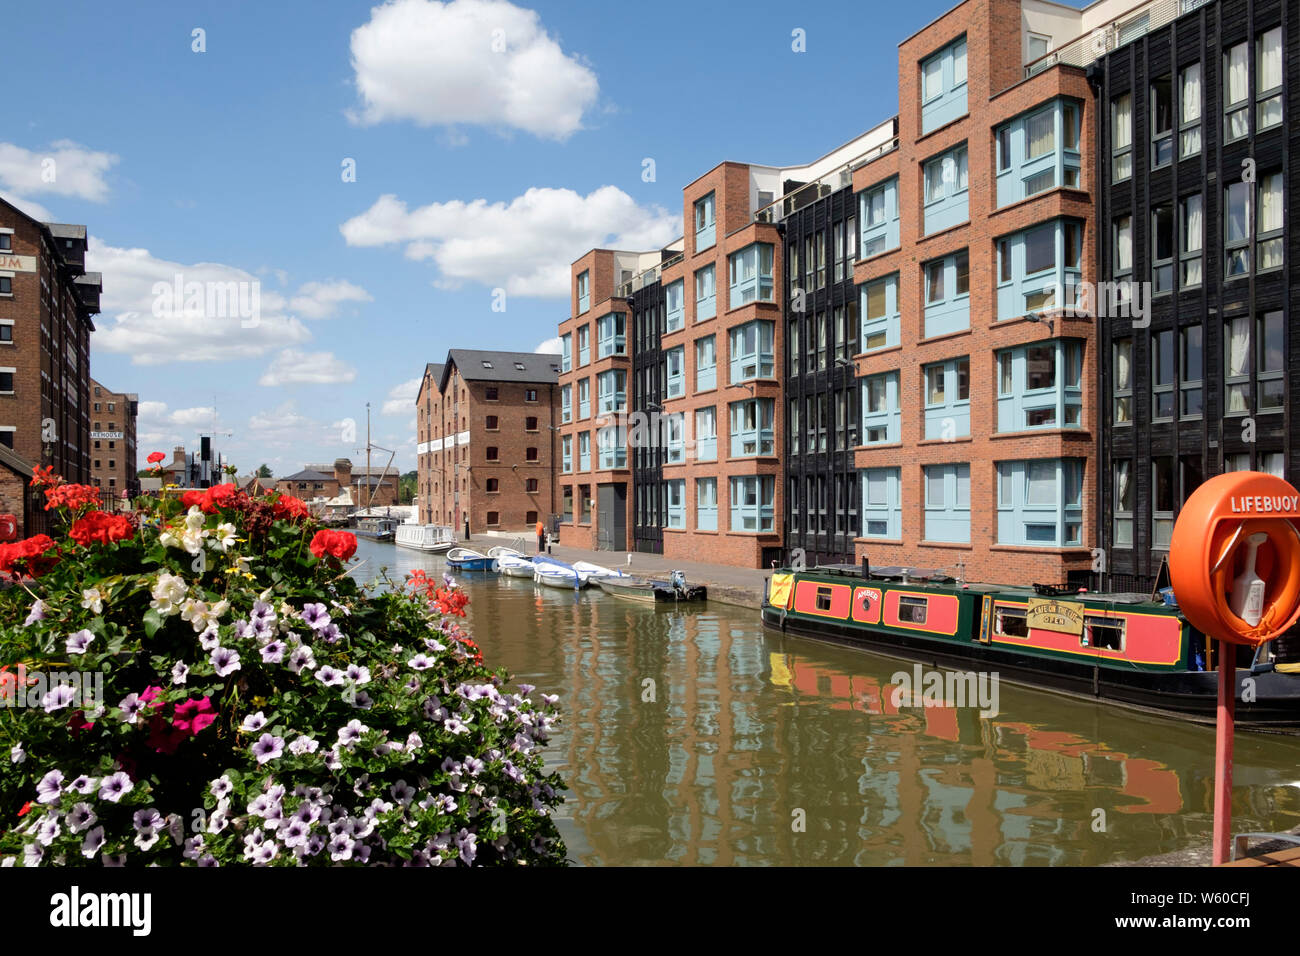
column 432, row 538
column 1125, row 648
column 381, row 529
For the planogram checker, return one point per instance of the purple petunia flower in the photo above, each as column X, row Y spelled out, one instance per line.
column 357, row 674
column 48, row 830
column 303, row 745
column 78, row 642
column 94, row 841
column 315, row 616
column 115, row 787
column 254, row 722
column 81, row 817
column 58, row 698
column 82, row 784
column 147, row 819
column 130, row 705
column 420, row 662
column 180, row 672
column 273, row 653
column 330, row 633
column 402, row 792
column 225, row 661
column 268, row 748
column 37, row 613
column 351, row 734
column 221, row 787
column 50, row 787
column 329, row 676
column 301, row 659
column 466, row 844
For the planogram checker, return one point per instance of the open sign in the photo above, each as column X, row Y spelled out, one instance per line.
column 1234, row 558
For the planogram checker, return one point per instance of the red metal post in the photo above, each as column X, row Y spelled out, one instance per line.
column 1225, row 725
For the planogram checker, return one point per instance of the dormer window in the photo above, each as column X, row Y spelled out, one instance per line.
column 487, row 364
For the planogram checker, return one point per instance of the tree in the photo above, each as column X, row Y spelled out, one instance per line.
column 407, row 486
column 264, row 470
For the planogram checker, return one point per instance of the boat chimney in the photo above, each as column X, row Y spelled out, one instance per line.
column 906, row 578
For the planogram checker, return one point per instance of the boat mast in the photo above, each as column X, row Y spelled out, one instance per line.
column 371, row 499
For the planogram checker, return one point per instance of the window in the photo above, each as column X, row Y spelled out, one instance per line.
column 947, row 294
column 611, row 389
column 751, row 274
column 674, row 427
column 706, row 363
column 612, row 445
column 880, row 317
column 946, row 180
column 493, row 518
column 6, row 242
column 584, row 293
column 584, row 451
column 675, row 361
column 566, row 403
column 566, row 454
column 706, row 434
column 947, row 503
column 1037, row 46
column 1268, row 79
column 584, row 344
column 530, row 454
column 752, row 500
column 584, row 398
column 675, row 297
column 845, row 235
column 1040, row 502
column 611, row 335
column 1162, row 375
column 943, row 86
column 752, row 350
column 913, row 610
column 706, row 293
column 492, row 486
column 1236, row 94
column 530, row 395
column 566, row 352
column 567, row 507
column 1268, row 225
column 1122, row 472
column 947, row 399
column 1162, row 505
column 1162, row 249
column 881, row 418
column 706, row 504
column 492, row 453
column 1040, row 132
column 1236, row 224
column 1189, row 118
column 1191, row 238
column 1190, row 372
column 530, row 486
column 1271, row 393
column 751, row 427
column 1236, row 374
column 1040, row 386
column 878, row 216
column 1123, row 245
column 1162, row 121
column 491, row 423
column 705, row 226
column 7, row 381
column 6, row 285
column 881, row 505
column 1121, row 137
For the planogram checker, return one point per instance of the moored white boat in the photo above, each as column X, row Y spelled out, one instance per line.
column 467, row 559
column 515, row 566
column 557, row 574
column 596, row 570
column 425, row 537
column 501, row 551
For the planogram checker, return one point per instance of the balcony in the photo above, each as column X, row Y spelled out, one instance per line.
column 1084, row 50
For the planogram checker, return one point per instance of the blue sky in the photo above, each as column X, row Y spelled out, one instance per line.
column 226, row 165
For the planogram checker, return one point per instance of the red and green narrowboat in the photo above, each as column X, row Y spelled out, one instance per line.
column 1125, row 648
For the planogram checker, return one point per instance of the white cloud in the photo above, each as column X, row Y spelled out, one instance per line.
column 245, row 320
column 480, row 62
column 33, row 209
column 320, row 300
column 401, row 398
column 525, row 245
column 292, row 367
column 550, row 346
column 160, row 428
column 65, row 169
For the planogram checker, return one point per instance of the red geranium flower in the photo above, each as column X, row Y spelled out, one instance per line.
column 74, row 497
column 27, row 556
column 336, row 544
column 98, row 526
column 155, row 457
column 290, row 508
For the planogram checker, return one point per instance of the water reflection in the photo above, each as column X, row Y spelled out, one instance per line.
column 692, row 736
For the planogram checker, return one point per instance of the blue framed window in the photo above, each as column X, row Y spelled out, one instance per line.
column 584, row 451
column 566, row 454
column 878, row 218
column 947, row 399
column 706, row 293
column 612, row 447
column 943, row 86
column 584, row 398
column 675, row 437
column 947, row 189
column 947, row 503
column 947, row 294
column 611, row 335
column 566, row 352
column 752, row 499
column 1040, row 385
column 705, row 225
column 880, row 317
column 1038, row 151
column 1040, row 268
column 881, row 418
column 675, row 297
column 706, row 363
column 706, row 434
column 566, row 403
column 882, row 503
column 584, row 345
column 584, row 292
column 751, row 275
column 611, row 387
column 706, row 504
column 675, row 362
column 675, row 502
column 1040, row 502
column 752, row 350
column 751, row 427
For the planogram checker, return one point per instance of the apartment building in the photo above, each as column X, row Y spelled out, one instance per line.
column 487, row 440
column 113, row 465
column 47, row 301
column 1197, row 118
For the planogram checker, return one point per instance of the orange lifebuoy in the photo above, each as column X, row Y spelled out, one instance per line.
column 1208, row 551
column 8, row 527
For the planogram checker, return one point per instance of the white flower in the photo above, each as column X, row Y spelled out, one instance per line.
column 253, row 722
column 224, row 537
column 92, row 600
column 180, row 671
column 78, row 643
column 17, row 754
column 195, row 518
column 168, row 591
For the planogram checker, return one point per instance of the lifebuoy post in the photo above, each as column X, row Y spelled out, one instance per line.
column 1234, row 561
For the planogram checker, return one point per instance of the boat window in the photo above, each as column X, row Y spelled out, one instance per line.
column 1010, row 622
column 1103, row 633
column 823, row 599
column 912, row 610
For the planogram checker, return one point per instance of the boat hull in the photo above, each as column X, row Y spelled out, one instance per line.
column 1190, row 695
column 650, row 592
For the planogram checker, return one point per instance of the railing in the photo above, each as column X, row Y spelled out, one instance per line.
column 838, row 178
column 1134, row 23
column 649, row 277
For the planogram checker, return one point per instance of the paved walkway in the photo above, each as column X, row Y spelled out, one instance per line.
column 742, row 586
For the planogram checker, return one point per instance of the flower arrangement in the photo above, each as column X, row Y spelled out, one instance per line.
column 203, row 683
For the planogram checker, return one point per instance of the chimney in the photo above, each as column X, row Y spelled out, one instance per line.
column 343, row 472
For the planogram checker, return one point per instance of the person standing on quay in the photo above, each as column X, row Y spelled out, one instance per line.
column 541, row 537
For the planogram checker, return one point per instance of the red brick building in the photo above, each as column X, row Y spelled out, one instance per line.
column 113, row 462
column 377, row 487
column 47, row 300
column 487, row 445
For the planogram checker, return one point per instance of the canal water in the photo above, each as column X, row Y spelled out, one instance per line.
column 695, row 736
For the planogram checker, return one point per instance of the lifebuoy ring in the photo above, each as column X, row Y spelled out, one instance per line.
column 8, row 527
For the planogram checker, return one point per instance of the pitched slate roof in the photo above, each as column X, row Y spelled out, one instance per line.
column 306, row 475
column 487, row 366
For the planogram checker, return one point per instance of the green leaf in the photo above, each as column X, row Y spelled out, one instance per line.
column 152, row 621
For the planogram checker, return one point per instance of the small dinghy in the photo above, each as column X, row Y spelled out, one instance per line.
column 515, row 566
column 595, row 572
column 652, row 591
column 465, row 559
column 557, row 574
column 501, row 551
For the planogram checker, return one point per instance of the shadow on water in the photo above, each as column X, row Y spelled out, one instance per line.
column 693, row 736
